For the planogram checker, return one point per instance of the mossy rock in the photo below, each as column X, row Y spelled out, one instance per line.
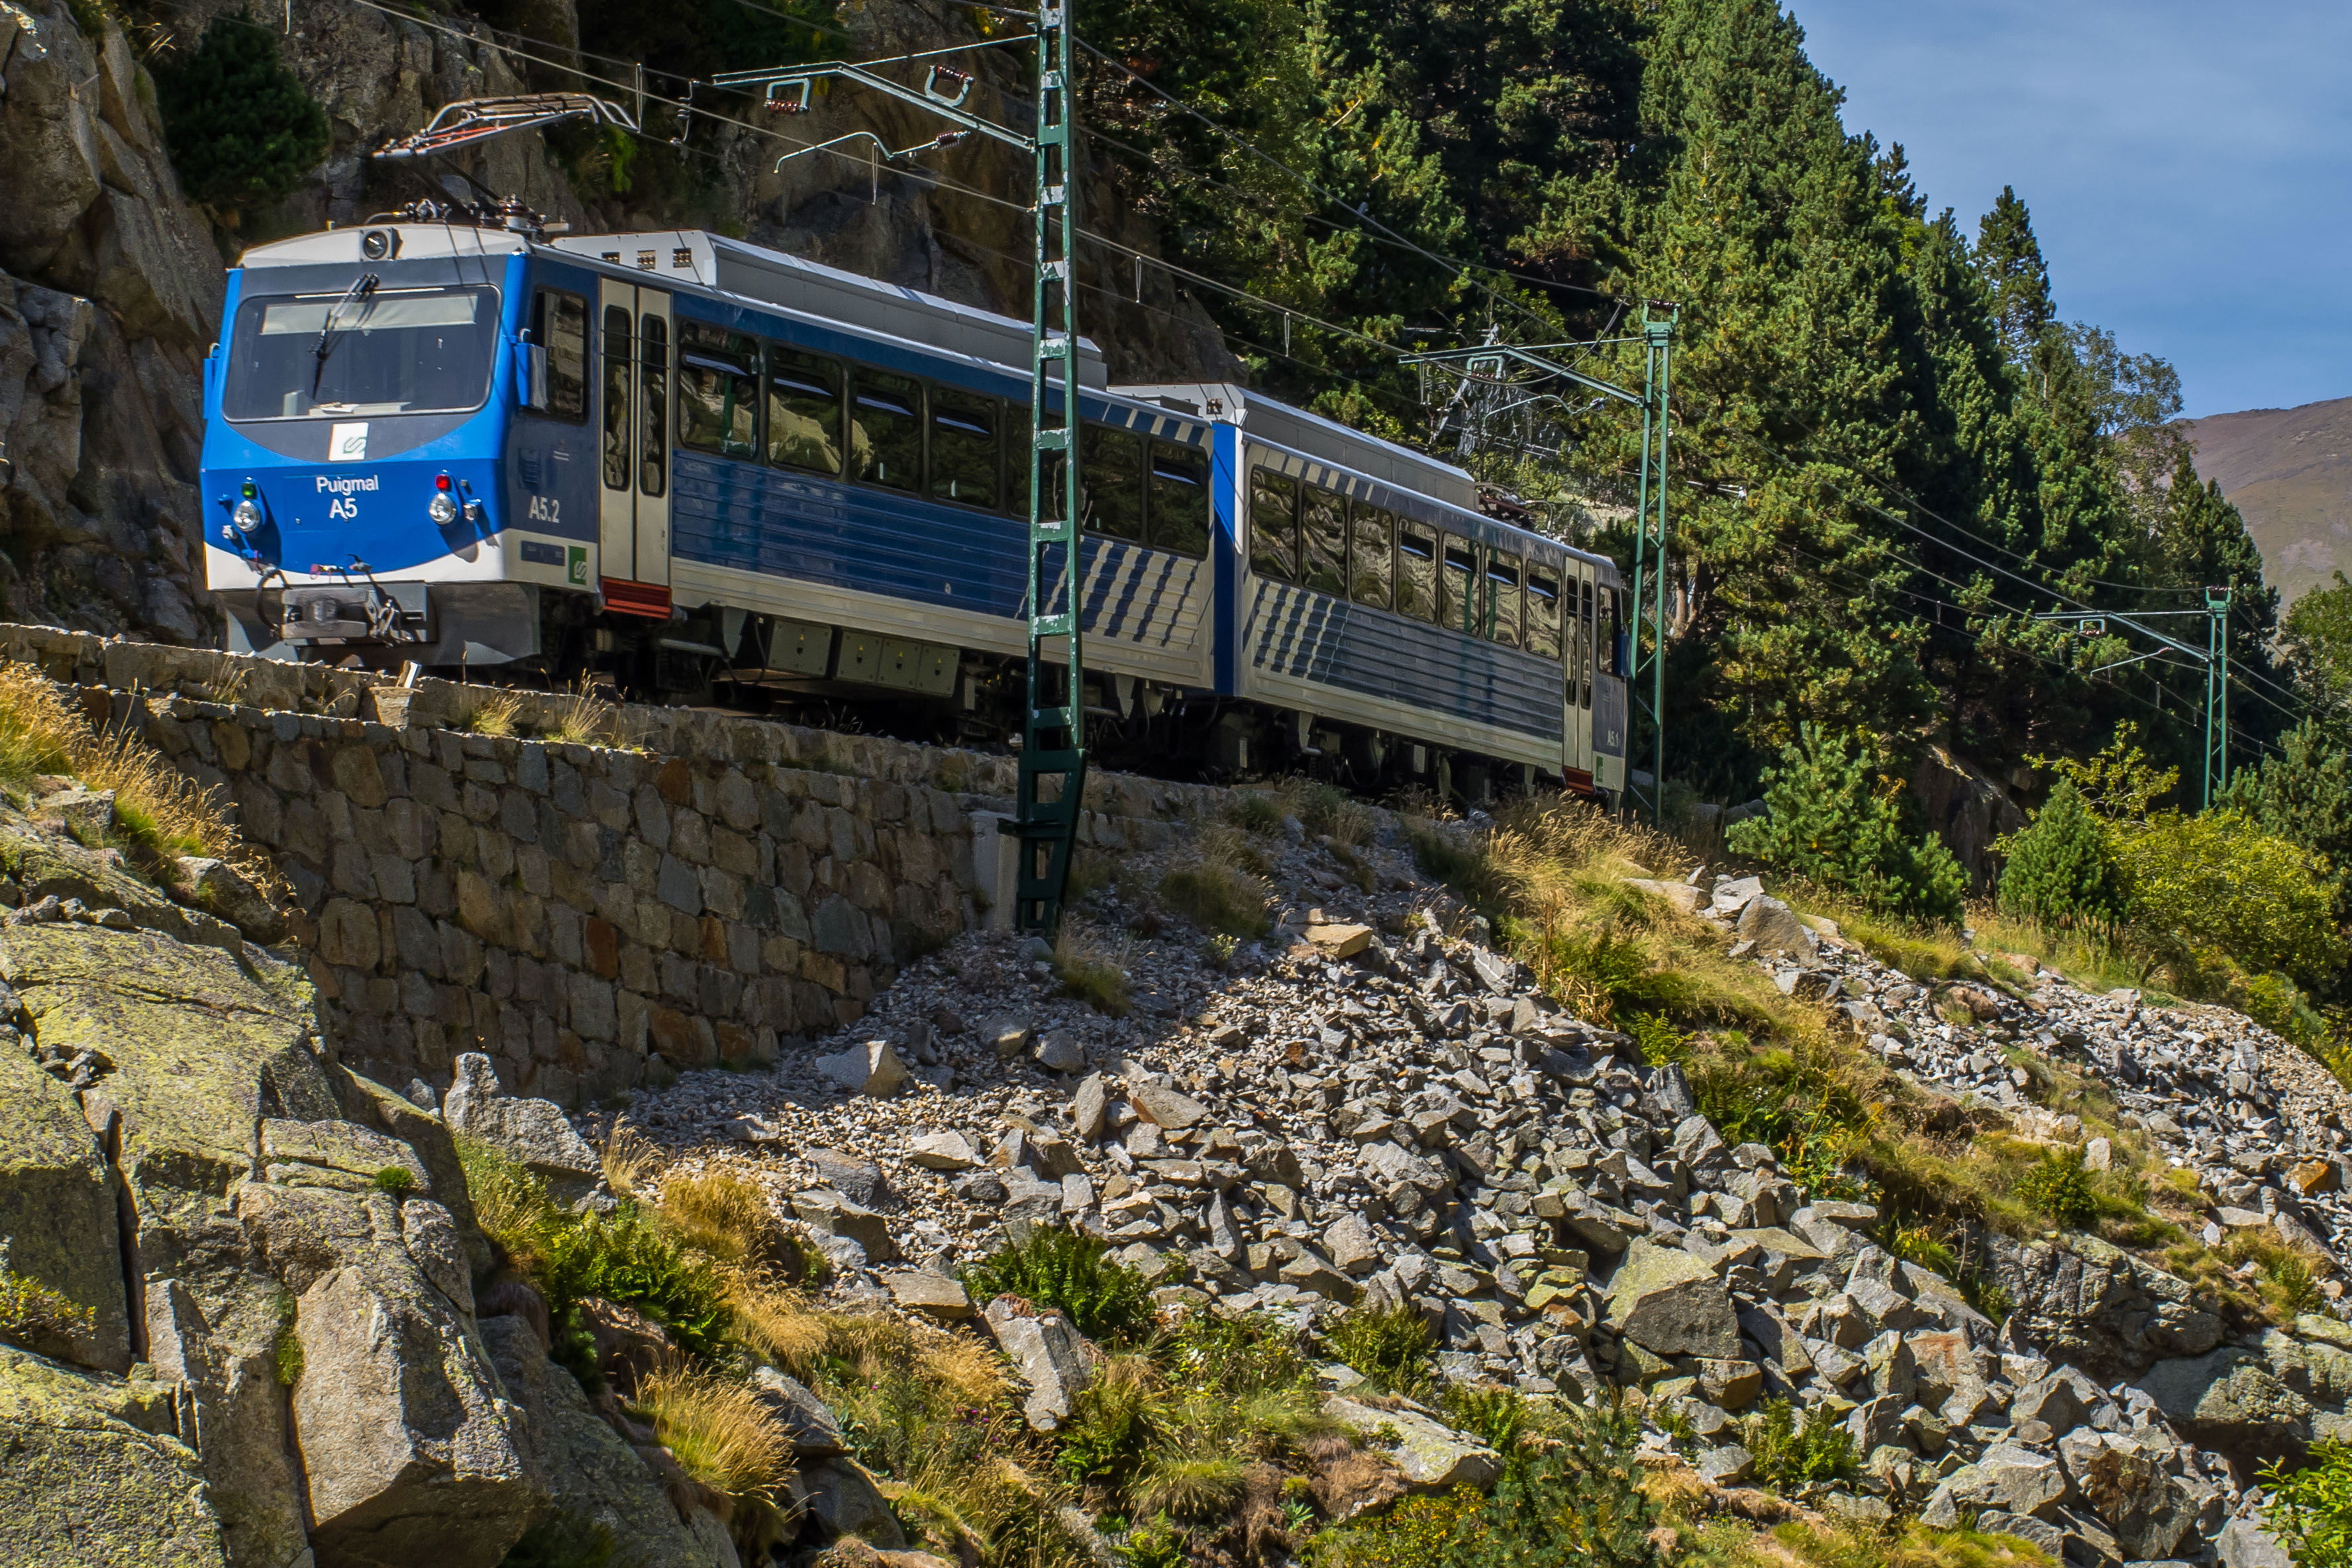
column 93, row 1477
column 58, row 1224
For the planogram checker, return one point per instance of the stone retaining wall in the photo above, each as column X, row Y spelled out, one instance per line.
column 715, row 886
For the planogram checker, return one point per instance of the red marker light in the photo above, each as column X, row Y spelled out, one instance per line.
column 442, row 483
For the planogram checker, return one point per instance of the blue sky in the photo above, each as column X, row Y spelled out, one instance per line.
column 2189, row 164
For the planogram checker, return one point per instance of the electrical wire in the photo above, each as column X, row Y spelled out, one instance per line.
column 1362, row 210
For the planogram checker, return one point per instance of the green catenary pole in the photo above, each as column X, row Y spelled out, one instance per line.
column 1053, row 773
column 1649, row 654
column 2216, row 692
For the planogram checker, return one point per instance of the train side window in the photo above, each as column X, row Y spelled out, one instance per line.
column 1274, row 525
column 1371, row 555
column 717, row 391
column 1503, row 598
column 1416, row 582
column 1458, row 587
column 559, row 323
column 1111, row 470
column 1543, row 614
column 964, row 457
column 1582, row 632
column 653, row 363
column 803, row 410
column 1323, row 533
column 620, row 350
column 886, row 428
column 1180, row 498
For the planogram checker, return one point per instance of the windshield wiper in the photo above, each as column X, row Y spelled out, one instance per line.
column 361, row 287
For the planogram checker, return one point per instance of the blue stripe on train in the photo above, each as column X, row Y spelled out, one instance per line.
column 1310, row 636
column 809, row 530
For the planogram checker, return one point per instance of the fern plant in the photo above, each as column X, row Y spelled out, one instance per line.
column 1065, row 1271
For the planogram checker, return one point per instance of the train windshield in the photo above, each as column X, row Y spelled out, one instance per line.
column 384, row 351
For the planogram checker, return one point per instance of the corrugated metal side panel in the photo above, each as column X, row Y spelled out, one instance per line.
column 792, row 525
column 1312, row 637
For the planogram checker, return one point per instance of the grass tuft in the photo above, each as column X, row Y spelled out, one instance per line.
column 1220, row 892
column 1091, row 969
column 720, row 1431
column 396, row 1182
column 496, row 713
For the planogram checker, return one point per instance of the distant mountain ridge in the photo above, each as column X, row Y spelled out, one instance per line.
column 2289, row 470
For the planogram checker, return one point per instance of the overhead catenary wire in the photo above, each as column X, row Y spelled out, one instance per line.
column 505, row 40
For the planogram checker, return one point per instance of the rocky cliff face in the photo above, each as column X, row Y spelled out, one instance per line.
column 109, row 289
column 110, row 279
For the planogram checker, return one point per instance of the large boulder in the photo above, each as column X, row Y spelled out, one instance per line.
column 533, row 1132
column 1053, row 1358
column 408, row 1442
column 2229, row 1400
column 2127, row 1487
column 1432, row 1457
column 203, row 1045
column 58, row 1210
column 96, row 1476
column 1669, row 1303
column 2008, row 1477
column 584, row 1465
column 2085, row 1302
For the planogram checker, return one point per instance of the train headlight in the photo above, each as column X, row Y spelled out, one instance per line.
column 246, row 515
column 442, row 508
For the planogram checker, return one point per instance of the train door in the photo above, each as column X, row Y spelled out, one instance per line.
column 634, row 335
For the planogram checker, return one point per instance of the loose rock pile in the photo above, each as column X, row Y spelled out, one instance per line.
column 1364, row 1112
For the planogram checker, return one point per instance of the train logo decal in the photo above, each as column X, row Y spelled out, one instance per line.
column 347, row 443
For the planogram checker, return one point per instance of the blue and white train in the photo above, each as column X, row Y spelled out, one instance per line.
column 705, row 469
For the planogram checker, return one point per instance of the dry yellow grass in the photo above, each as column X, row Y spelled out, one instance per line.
column 586, row 719
column 162, row 811
column 718, row 1429
column 631, row 1161
column 726, row 1217
column 494, row 712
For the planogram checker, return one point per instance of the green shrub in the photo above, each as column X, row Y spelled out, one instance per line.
column 1496, row 1416
column 1256, row 813
column 2311, row 1507
column 1392, row 1347
column 395, row 1181
column 241, row 128
column 625, row 1257
column 1830, row 821
column 1789, row 1455
column 1068, row 1272
column 1418, row 1533
column 2214, row 886
column 286, row 1348
column 2062, row 870
column 2058, row 1187
column 1580, row 1502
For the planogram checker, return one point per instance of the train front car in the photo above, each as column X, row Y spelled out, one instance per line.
column 357, row 414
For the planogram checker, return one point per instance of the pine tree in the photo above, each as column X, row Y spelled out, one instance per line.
column 2062, row 869
column 2008, row 258
column 241, row 128
column 1829, row 822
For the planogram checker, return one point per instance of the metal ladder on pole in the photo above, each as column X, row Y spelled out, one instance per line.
column 1052, row 769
